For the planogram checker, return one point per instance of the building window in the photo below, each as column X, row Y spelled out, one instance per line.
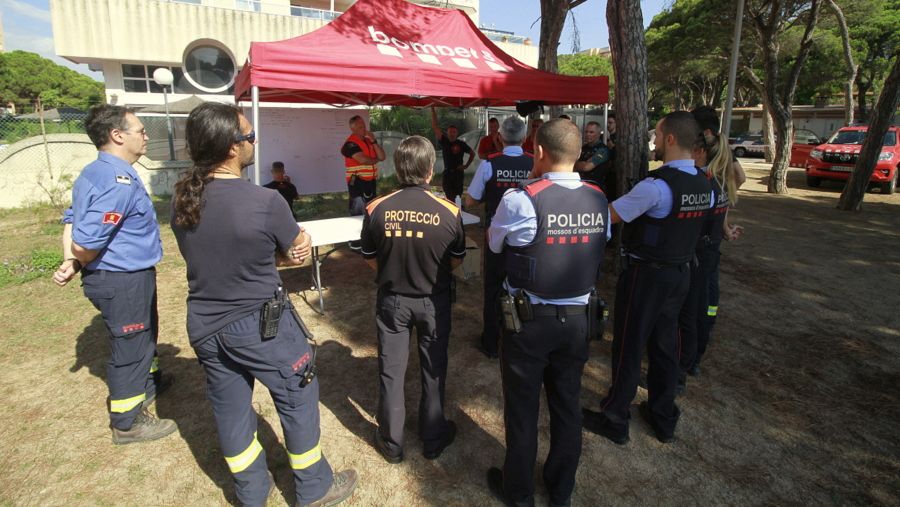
column 209, row 68
column 139, row 79
column 247, row 5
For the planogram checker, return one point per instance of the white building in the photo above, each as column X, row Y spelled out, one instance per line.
column 203, row 42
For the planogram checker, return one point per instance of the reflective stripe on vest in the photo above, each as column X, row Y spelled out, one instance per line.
column 240, row 462
column 307, row 459
column 122, row 406
column 712, row 311
column 154, row 365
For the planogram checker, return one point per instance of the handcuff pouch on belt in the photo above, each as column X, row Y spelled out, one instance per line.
column 598, row 314
column 515, row 310
column 270, row 316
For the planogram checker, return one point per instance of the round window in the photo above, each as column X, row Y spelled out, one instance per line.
column 209, row 68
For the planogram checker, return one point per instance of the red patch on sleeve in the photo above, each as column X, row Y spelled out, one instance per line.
column 112, row 217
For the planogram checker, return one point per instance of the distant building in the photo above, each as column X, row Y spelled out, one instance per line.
column 203, row 42
column 1, row 32
column 822, row 120
column 604, row 52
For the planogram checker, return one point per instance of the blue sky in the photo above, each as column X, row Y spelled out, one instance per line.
column 26, row 24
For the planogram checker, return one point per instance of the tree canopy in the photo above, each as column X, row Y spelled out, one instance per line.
column 26, row 76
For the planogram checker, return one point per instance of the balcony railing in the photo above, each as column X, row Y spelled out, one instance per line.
column 308, row 12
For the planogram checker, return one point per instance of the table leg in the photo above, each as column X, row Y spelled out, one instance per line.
column 317, row 278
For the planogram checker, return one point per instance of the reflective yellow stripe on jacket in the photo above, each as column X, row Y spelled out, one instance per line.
column 363, row 172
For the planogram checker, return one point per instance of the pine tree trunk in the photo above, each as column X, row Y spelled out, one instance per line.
column 553, row 18
column 768, row 133
column 855, row 190
column 852, row 68
column 629, row 58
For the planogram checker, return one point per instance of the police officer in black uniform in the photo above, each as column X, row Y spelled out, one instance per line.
column 551, row 232
column 232, row 234
column 665, row 215
column 713, row 155
column 111, row 231
column 413, row 239
column 494, row 176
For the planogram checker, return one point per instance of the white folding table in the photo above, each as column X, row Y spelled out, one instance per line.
column 335, row 231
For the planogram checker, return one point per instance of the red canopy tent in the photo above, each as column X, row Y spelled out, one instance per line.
column 391, row 52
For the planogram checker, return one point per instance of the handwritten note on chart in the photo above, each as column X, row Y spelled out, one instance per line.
column 308, row 141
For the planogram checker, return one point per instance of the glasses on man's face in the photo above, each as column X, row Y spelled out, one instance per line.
column 250, row 137
column 142, row 132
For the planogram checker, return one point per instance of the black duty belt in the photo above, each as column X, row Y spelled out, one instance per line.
column 655, row 264
column 540, row 310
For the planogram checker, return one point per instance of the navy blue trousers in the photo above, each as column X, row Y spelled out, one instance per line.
column 234, row 358
column 648, row 301
column 550, row 353
column 127, row 303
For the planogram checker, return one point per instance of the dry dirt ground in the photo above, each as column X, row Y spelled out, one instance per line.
column 798, row 402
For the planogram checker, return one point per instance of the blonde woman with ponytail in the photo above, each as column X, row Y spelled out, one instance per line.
column 701, row 305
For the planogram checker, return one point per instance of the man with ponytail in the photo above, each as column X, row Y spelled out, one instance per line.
column 232, row 235
column 112, row 237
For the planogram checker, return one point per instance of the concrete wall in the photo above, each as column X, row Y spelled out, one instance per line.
column 23, row 168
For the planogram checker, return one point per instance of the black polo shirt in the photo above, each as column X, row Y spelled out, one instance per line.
column 453, row 153
column 413, row 234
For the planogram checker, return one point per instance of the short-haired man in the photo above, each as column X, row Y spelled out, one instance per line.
column 490, row 143
column 593, row 163
column 282, row 184
column 413, row 239
column 665, row 214
column 552, row 232
column 452, row 150
column 361, row 153
column 112, row 237
column 528, row 144
column 494, row 176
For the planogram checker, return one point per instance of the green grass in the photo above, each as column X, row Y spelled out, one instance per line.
column 39, row 263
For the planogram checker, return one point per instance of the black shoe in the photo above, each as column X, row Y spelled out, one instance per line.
column 495, row 484
column 644, row 410
column 382, row 449
column 694, row 370
column 487, row 353
column 449, row 437
column 682, row 384
column 597, row 423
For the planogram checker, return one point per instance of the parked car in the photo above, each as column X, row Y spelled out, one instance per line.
column 804, row 142
column 836, row 159
column 748, row 144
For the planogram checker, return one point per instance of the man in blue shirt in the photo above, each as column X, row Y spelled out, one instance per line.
column 494, row 176
column 665, row 214
column 551, row 232
column 112, row 237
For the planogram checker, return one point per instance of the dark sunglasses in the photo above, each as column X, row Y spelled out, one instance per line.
column 250, row 137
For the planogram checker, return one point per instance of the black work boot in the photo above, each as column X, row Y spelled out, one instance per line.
column 146, row 427
column 341, row 489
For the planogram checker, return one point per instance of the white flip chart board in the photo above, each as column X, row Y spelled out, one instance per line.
column 308, row 141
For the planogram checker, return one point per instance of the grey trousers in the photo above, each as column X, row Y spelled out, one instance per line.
column 395, row 317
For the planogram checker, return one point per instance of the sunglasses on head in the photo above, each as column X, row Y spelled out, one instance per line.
column 249, row 137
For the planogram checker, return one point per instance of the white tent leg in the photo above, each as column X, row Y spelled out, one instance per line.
column 254, row 93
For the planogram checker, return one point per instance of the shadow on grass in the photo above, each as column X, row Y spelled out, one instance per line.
column 185, row 403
